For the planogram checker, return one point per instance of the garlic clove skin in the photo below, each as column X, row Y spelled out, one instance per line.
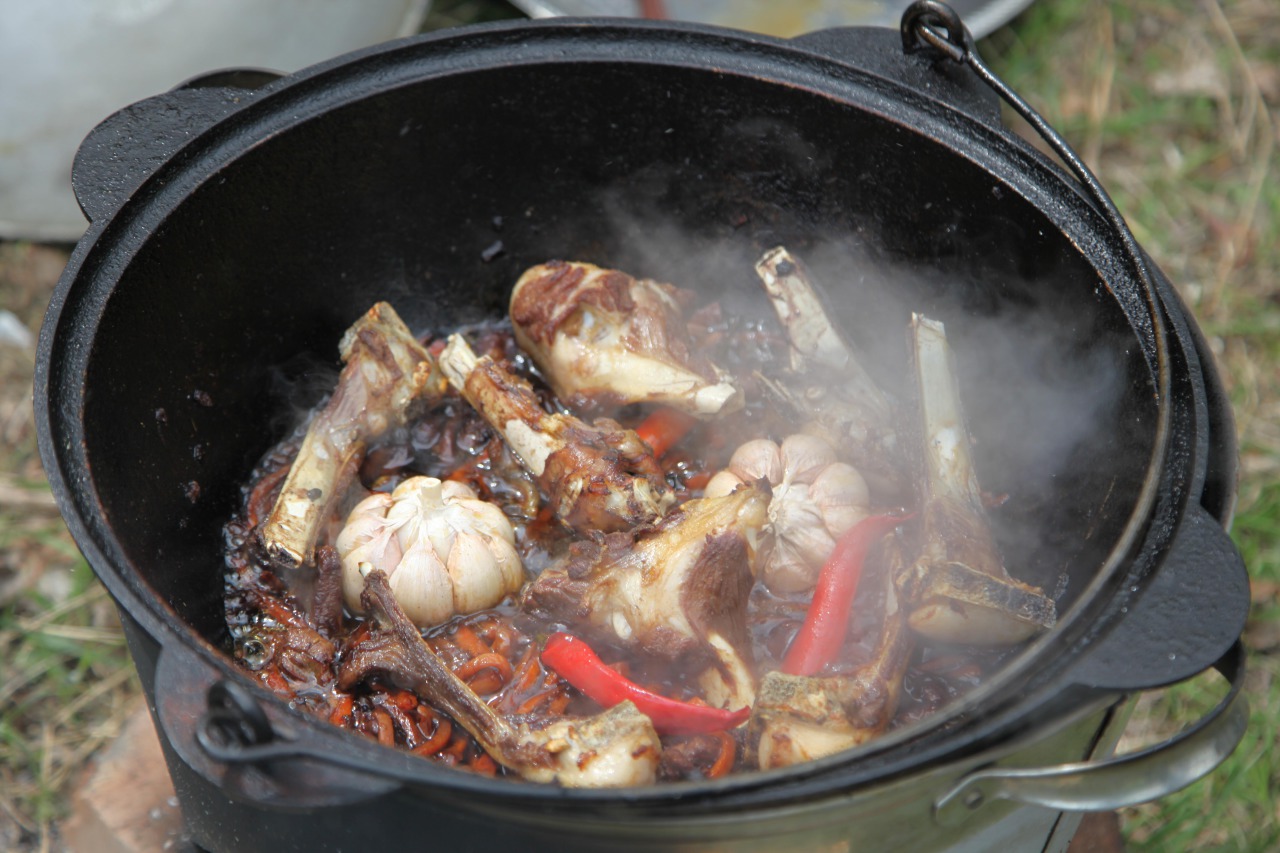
column 423, row 586
column 509, row 564
column 444, row 550
column 474, row 574
column 367, row 538
column 757, row 458
column 722, row 484
column 799, row 522
column 804, row 456
column 801, row 543
column 842, row 497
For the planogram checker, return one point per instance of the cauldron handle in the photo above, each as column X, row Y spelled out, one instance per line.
column 1116, row 782
column 125, row 148
column 920, row 28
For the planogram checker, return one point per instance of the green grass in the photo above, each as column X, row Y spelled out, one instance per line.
column 66, row 681
column 1162, row 98
column 65, row 685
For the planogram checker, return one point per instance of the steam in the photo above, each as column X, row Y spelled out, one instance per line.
column 297, row 387
column 1044, row 357
column 1038, row 379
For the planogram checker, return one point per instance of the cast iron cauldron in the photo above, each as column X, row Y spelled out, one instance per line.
column 242, row 221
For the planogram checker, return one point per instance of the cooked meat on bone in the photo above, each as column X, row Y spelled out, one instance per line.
column 830, row 387
column 386, row 372
column 604, row 339
column 676, row 592
column 598, row 477
column 958, row 590
column 326, row 601
column 800, row 718
column 616, row 748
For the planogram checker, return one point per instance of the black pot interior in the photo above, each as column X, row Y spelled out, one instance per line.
column 435, row 194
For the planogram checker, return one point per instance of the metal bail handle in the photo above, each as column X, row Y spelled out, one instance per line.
column 1112, row 783
column 929, row 24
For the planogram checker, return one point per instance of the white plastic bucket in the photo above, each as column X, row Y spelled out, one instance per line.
column 67, row 64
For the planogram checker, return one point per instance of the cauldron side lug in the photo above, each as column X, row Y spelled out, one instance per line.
column 128, row 146
column 1180, row 621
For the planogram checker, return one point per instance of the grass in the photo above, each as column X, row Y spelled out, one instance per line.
column 1170, row 104
column 66, row 682
column 1168, row 100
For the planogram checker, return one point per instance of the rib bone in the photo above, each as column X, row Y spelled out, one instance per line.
column 844, row 403
column 386, row 372
column 616, row 748
column 958, row 589
column 598, row 477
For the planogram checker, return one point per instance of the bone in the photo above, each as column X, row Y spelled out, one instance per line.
column 958, row 589
column 800, row 718
column 386, row 374
column 617, row 748
column 829, row 386
column 598, row 476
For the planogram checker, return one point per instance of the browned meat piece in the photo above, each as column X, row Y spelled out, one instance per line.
column 677, row 592
column 830, row 387
column 597, row 477
column 386, row 371
column 616, row 748
column 958, row 589
column 605, row 339
column 326, row 601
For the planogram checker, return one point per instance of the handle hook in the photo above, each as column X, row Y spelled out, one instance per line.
column 920, row 23
column 233, row 722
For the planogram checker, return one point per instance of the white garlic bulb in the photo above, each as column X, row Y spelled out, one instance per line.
column 444, row 550
column 816, row 498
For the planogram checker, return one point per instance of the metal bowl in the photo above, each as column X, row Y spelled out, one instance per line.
column 782, row 19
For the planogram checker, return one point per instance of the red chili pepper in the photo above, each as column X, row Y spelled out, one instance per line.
column 825, row 625
column 663, row 428
column 577, row 664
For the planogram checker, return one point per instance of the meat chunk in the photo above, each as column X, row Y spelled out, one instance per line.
column 387, row 372
column 605, row 339
column 598, row 477
column 677, row 592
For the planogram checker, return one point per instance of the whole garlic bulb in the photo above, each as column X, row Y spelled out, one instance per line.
column 816, row 498
column 444, row 551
